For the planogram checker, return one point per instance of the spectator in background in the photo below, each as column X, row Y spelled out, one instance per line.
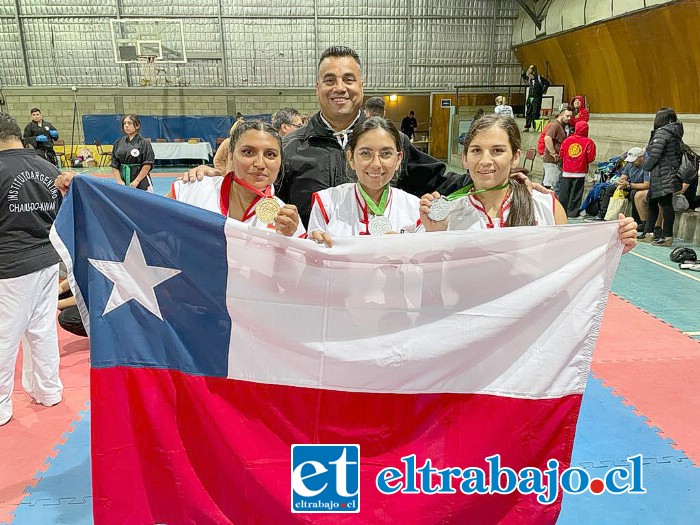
column 577, row 152
column 633, row 179
column 409, row 125
column 537, row 88
column 222, row 157
column 553, row 138
column 69, row 319
column 28, row 271
column 40, row 134
column 580, row 113
column 502, row 108
column 663, row 162
column 239, row 116
column 285, row 121
column 375, row 107
column 132, row 156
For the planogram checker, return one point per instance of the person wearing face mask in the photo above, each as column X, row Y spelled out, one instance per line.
column 495, row 200
column 369, row 206
column 132, row 156
column 245, row 194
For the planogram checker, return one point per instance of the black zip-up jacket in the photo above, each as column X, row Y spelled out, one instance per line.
column 33, row 130
column 664, row 159
column 314, row 161
column 538, row 85
column 29, row 202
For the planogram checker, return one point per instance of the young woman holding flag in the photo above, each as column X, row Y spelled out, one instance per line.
column 491, row 151
column 246, row 193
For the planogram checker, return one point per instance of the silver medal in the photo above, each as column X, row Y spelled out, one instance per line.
column 439, row 209
column 379, row 225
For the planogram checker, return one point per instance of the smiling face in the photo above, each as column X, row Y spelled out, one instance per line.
column 339, row 90
column 257, row 158
column 375, row 160
column 489, row 158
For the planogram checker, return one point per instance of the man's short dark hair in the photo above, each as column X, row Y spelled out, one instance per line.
column 9, row 129
column 375, row 106
column 35, row 110
column 565, row 107
column 339, row 52
column 411, row 112
column 284, row 116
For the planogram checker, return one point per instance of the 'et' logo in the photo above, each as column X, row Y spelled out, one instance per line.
column 325, row 478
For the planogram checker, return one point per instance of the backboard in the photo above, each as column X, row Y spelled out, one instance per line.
column 159, row 39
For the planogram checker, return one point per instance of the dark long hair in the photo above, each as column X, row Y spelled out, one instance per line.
column 664, row 116
column 135, row 120
column 369, row 125
column 522, row 213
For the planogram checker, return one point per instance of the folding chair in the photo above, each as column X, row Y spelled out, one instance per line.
column 105, row 153
column 59, row 148
column 530, row 155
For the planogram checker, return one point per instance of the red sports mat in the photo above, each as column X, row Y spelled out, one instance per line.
column 654, row 368
column 34, row 430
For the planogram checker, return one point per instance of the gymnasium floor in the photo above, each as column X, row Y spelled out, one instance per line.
column 642, row 398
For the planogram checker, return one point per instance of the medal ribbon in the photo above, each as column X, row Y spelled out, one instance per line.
column 467, row 191
column 267, row 194
column 377, row 209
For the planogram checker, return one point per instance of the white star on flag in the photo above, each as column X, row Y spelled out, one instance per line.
column 133, row 279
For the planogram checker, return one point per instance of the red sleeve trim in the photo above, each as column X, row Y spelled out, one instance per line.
column 316, row 200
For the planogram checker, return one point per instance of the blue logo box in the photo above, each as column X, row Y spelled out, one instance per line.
column 325, row 478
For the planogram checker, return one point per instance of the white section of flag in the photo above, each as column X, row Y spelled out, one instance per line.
column 509, row 312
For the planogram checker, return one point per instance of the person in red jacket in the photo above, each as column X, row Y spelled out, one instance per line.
column 577, row 152
column 580, row 112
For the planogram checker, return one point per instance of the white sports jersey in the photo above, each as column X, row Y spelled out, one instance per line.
column 342, row 212
column 212, row 193
column 467, row 213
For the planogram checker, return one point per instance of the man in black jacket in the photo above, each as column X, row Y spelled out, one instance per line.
column 313, row 155
column 40, row 134
column 537, row 88
column 28, row 271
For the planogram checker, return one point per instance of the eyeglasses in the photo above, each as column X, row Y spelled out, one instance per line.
column 385, row 155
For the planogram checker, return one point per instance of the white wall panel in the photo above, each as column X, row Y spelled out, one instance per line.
column 7, row 8
column 451, row 8
column 566, row 15
column 66, row 51
column 597, row 10
column 66, row 7
column 273, row 52
column 12, row 71
column 163, row 8
column 268, row 8
column 267, row 43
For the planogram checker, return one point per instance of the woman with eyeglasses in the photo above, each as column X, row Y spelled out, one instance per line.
column 245, row 193
column 369, row 206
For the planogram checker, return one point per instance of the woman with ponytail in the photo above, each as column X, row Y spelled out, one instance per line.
column 495, row 199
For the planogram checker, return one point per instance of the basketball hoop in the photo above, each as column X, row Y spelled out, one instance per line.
column 148, row 69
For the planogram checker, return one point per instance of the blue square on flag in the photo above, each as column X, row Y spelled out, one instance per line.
column 325, row 478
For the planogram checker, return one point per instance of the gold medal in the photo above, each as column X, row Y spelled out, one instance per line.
column 267, row 209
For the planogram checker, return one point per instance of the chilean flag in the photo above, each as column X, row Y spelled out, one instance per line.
column 216, row 347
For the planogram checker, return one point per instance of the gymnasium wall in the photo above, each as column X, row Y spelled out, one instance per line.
column 634, row 63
